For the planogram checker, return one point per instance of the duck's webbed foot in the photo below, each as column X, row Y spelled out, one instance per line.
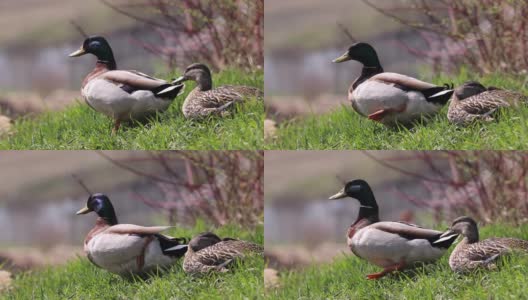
column 386, row 271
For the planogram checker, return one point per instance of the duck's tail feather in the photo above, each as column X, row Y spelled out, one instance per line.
column 169, row 91
column 172, row 246
column 518, row 244
column 440, row 94
column 445, row 240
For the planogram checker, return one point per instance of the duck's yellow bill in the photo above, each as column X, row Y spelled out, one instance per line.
column 339, row 195
column 341, row 58
column 83, row 211
column 79, row 52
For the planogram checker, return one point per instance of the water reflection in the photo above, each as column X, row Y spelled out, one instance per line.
column 43, row 224
column 43, row 69
column 294, row 71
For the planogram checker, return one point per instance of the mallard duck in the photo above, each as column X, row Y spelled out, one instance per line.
column 204, row 100
column 471, row 254
column 472, row 101
column 127, row 249
column 122, row 95
column 390, row 245
column 207, row 252
column 386, row 97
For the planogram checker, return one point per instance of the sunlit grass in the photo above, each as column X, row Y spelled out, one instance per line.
column 80, row 127
column 345, row 279
column 80, row 279
column 345, row 129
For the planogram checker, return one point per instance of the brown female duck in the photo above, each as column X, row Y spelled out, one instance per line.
column 471, row 254
column 204, row 100
column 207, row 252
column 472, row 102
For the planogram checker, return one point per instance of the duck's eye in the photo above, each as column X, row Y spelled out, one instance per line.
column 354, row 188
column 97, row 205
column 95, row 45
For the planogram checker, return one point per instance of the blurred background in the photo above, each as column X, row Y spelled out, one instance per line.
column 155, row 37
column 302, row 39
column 429, row 188
column 411, row 37
column 35, row 70
column 39, row 196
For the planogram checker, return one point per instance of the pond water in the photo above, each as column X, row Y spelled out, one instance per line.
column 43, row 224
column 43, row 69
column 295, row 71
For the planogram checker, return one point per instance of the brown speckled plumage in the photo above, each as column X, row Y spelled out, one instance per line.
column 472, row 101
column 471, row 254
column 203, row 100
column 207, row 252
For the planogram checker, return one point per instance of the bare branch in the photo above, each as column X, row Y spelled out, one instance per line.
column 81, row 183
column 79, row 28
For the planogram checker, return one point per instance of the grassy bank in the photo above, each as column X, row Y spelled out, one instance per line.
column 80, row 279
column 80, row 127
column 345, row 129
column 345, row 279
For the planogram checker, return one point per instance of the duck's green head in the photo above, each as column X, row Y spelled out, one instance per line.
column 359, row 189
column 203, row 240
column 101, row 205
column 98, row 46
column 468, row 89
column 361, row 52
column 196, row 72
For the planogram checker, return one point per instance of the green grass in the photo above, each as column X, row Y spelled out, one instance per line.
column 345, row 129
column 80, row 279
column 345, row 279
column 80, row 127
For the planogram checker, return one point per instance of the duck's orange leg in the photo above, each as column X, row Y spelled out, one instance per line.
column 117, row 124
column 378, row 115
column 140, row 260
column 386, row 271
column 382, row 113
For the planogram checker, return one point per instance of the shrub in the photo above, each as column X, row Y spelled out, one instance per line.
column 220, row 33
column 490, row 186
column 220, row 187
column 486, row 35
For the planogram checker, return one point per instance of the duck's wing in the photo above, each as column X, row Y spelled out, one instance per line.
column 227, row 93
column 403, row 81
column 488, row 101
column 485, row 249
column 136, row 229
column 225, row 251
column 430, row 91
column 412, row 232
column 131, row 81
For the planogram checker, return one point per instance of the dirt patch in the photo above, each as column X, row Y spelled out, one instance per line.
column 287, row 107
column 270, row 129
column 297, row 257
column 23, row 259
column 26, row 103
column 5, row 125
column 271, row 278
column 5, row 280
